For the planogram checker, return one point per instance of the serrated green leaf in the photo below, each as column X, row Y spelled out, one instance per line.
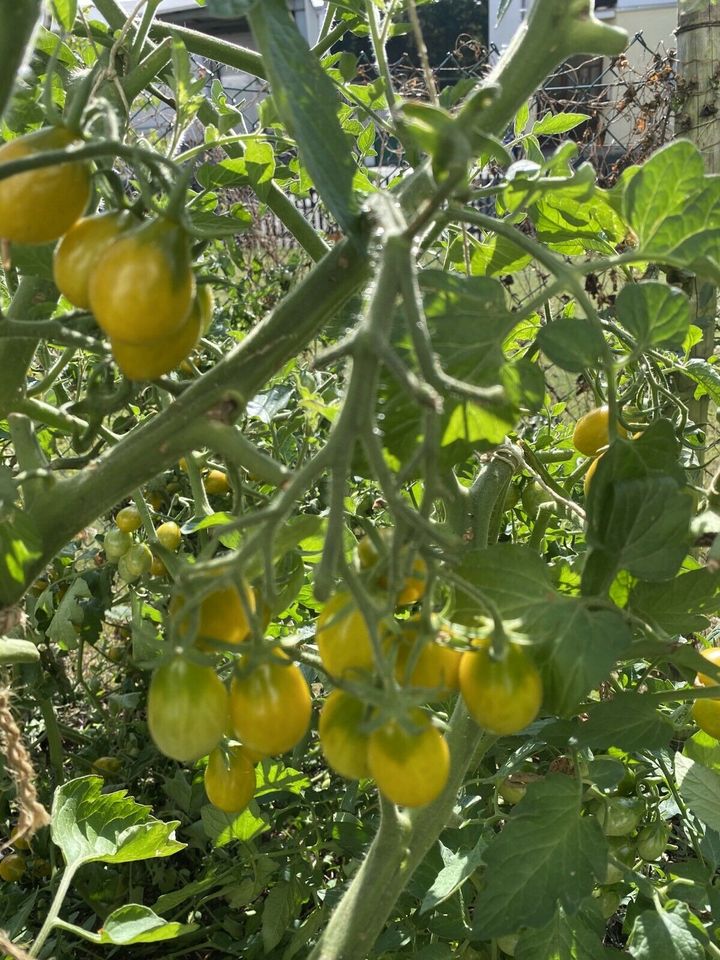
column 306, row 99
column 89, row 825
column 681, row 605
column 654, row 313
column 628, row 721
column 573, row 343
column 278, row 912
column 554, row 123
column 222, row 828
column 134, row 923
column 65, row 11
column 706, row 376
column 547, row 853
column 675, row 210
column 578, row 648
column 460, row 865
column 671, row 933
column 700, row 789
column 566, row 937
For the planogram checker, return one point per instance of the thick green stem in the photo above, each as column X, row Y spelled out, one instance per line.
column 17, row 25
column 54, row 910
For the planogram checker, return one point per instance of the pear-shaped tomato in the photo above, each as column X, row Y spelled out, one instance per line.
column 187, row 709
column 270, row 706
column 78, row 252
column 40, row 205
column 142, row 287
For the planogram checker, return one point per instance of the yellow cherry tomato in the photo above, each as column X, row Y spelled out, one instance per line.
column 587, row 479
column 187, row 709
column 216, row 483
column 342, row 739
column 107, row 766
column 502, row 695
column 436, row 667
column 410, row 769
column 343, row 637
column 592, row 432
column 142, row 287
column 712, row 655
column 79, row 250
column 270, row 706
column 157, row 567
column 706, row 714
column 222, row 616
column 40, row 205
column 229, row 779
column 12, row 867
column 169, row 535
column 153, row 359
column 128, row 519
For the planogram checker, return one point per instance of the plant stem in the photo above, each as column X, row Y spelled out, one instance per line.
column 54, row 910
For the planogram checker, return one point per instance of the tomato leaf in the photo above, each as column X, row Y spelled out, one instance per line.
column 573, row 343
column 65, row 11
column 307, row 102
column 459, row 866
column 700, row 789
column 675, row 210
column 566, row 937
column 673, row 933
column 629, row 721
column 90, row 826
column 134, row 923
column 579, row 648
column 654, row 313
column 546, row 854
column 680, row 606
column 221, row 827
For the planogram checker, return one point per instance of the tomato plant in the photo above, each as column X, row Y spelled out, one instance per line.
column 436, row 460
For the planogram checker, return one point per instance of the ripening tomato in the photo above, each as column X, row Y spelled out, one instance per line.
column 270, row 706
column 502, row 695
column 116, row 544
column 222, row 616
column 413, row 588
column 706, row 714
column 12, row 867
column 343, row 637
column 157, row 567
column 155, row 358
column 107, row 766
column 80, row 249
column 435, row 667
column 342, row 739
column 513, row 788
column 216, row 483
column 410, row 768
column 592, row 432
column 587, row 479
column 40, row 205
column 135, row 563
column 142, row 287
column 128, row 519
column 712, row 655
column 187, row 709
column 620, row 816
column 169, row 535
column 229, row 779
column 206, row 305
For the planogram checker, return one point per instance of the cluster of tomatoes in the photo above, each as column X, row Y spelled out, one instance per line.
column 135, row 559
column 192, row 714
column 405, row 753
column 135, row 276
column 267, row 708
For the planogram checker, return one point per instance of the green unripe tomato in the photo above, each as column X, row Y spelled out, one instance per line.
column 620, row 816
column 652, row 840
column 12, row 867
column 608, row 900
column 620, row 850
column 136, row 562
column 534, row 497
column 169, row 535
column 512, row 498
column 513, row 788
column 116, row 544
